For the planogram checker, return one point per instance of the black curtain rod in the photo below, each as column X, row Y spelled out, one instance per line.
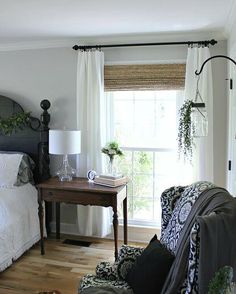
column 203, row 43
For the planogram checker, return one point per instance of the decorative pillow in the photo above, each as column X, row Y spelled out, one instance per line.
column 25, row 173
column 126, row 259
column 124, row 266
column 150, row 269
column 9, row 167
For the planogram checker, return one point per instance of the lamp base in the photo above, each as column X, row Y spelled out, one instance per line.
column 66, row 172
column 64, row 178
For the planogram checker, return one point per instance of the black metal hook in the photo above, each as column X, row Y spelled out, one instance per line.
column 216, row 56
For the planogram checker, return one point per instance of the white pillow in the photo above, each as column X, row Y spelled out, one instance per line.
column 9, row 166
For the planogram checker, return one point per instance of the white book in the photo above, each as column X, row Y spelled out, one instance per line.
column 112, row 177
column 110, row 182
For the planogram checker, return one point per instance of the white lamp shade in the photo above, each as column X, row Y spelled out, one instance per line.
column 64, row 142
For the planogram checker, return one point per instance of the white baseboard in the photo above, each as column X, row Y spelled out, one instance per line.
column 135, row 233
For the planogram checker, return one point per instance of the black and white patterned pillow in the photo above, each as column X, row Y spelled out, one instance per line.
column 117, row 270
column 124, row 267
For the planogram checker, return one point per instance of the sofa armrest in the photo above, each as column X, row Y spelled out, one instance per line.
column 113, row 271
column 129, row 251
column 106, row 270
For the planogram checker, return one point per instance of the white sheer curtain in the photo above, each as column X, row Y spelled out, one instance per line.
column 203, row 151
column 91, row 114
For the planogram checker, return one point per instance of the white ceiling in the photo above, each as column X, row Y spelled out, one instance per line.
column 34, row 20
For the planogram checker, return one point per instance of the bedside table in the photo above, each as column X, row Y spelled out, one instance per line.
column 81, row 191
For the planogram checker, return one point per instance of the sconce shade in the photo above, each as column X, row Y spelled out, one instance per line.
column 64, row 142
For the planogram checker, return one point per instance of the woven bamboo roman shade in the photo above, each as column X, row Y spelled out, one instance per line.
column 144, row 77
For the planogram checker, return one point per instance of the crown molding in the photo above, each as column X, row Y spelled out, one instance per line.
column 112, row 39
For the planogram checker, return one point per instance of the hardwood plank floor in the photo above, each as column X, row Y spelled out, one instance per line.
column 61, row 268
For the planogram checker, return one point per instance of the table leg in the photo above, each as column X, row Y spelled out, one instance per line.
column 115, row 227
column 125, row 219
column 58, row 216
column 40, row 213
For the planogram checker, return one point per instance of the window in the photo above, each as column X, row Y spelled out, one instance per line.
column 144, row 102
column 145, row 127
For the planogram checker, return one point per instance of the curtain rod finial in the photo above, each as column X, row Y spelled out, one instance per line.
column 75, row 47
column 213, row 42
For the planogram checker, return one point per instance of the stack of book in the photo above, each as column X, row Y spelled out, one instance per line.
column 110, row 180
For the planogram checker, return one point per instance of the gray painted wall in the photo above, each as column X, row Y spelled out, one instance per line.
column 29, row 76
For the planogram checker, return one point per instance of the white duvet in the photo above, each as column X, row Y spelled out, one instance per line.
column 19, row 224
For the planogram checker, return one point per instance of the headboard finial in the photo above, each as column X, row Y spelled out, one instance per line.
column 45, row 116
column 45, row 104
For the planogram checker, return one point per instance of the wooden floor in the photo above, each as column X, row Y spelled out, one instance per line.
column 59, row 269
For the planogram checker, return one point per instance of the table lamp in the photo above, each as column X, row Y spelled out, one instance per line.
column 65, row 142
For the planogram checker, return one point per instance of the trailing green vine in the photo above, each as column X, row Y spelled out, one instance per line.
column 14, row 122
column 186, row 130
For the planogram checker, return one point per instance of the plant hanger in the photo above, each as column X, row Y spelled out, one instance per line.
column 187, row 127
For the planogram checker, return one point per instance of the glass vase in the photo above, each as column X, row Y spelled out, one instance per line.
column 200, row 122
column 111, row 169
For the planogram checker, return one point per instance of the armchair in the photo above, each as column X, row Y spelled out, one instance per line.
column 182, row 209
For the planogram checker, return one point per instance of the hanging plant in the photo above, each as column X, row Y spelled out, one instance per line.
column 186, row 130
column 14, row 122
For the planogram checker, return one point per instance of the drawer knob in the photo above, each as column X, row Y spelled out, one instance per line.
column 50, row 193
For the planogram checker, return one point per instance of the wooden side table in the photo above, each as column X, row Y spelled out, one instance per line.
column 81, row 191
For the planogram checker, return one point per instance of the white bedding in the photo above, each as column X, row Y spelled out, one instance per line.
column 19, row 224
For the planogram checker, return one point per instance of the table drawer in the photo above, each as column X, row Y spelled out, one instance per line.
column 76, row 197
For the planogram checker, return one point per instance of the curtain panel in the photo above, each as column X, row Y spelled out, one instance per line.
column 203, row 151
column 92, row 220
column 144, row 77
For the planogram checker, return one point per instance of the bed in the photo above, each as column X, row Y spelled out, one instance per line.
column 24, row 161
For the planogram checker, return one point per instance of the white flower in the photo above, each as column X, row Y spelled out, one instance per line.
column 112, row 152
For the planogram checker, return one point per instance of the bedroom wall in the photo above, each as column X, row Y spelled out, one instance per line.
column 232, row 32
column 32, row 75
column 232, row 98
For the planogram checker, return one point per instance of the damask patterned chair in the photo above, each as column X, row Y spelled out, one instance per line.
column 176, row 203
